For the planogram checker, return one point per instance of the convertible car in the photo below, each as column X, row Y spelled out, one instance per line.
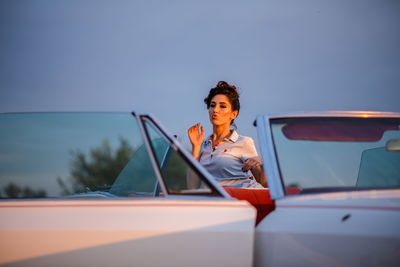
column 110, row 189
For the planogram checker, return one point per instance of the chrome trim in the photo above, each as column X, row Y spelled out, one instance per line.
column 151, row 154
column 338, row 113
column 186, row 155
column 268, row 154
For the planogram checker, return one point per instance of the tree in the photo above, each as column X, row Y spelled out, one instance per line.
column 13, row 190
column 98, row 169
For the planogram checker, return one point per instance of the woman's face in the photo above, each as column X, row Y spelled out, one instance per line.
column 220, row 111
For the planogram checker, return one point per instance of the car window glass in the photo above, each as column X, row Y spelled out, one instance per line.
column 317, row 154
column 379, row 168
column 179, row 177
column 137, row 179
column 72, row 155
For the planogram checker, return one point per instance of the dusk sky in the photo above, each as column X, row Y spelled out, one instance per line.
column 162, row 57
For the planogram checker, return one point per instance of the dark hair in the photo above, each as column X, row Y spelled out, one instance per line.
column 224, row 88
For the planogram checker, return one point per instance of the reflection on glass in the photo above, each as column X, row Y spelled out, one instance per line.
column 69, row 154
column 96, row 170
column 137, row 179
column 322, row 153
column 178, row 176
column 379, row 168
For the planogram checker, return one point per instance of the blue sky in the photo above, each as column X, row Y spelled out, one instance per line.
column 163, row 56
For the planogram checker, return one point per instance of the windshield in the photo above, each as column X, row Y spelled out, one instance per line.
column 89, row 155
column 71, row 154
column 327, row 154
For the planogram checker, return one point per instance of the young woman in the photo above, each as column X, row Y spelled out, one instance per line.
column 227, row 155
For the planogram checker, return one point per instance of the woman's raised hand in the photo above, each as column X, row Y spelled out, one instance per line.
column 195, row 137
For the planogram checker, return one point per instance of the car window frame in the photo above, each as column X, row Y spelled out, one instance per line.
column 187, row 157
column 267, row 144
column 269, row 157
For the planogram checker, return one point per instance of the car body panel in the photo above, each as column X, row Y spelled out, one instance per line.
column 124, row 232
column 332, row 229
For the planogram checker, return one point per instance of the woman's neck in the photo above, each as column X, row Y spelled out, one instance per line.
column 220, row 132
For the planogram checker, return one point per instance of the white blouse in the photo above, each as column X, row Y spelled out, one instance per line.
column 225, row 160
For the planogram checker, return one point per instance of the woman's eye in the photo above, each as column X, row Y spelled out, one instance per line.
column 223, row 106
column 212, row 105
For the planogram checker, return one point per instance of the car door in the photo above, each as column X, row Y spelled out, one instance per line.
column 348, row 209
column 110, row 190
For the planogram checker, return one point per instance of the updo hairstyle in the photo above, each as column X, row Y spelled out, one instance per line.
column 224, row 88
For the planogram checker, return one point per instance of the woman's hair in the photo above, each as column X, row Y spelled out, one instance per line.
column 224, row 88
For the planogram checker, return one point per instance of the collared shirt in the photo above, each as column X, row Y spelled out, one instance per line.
column 225, row 160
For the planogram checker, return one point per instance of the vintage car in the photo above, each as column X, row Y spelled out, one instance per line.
column 110, row 189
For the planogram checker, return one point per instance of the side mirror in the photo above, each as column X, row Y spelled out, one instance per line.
column 393, row 145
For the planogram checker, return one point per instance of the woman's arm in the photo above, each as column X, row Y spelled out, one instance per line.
column 196, row 139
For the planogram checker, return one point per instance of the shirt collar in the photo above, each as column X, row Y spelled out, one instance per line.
column 233, row 138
